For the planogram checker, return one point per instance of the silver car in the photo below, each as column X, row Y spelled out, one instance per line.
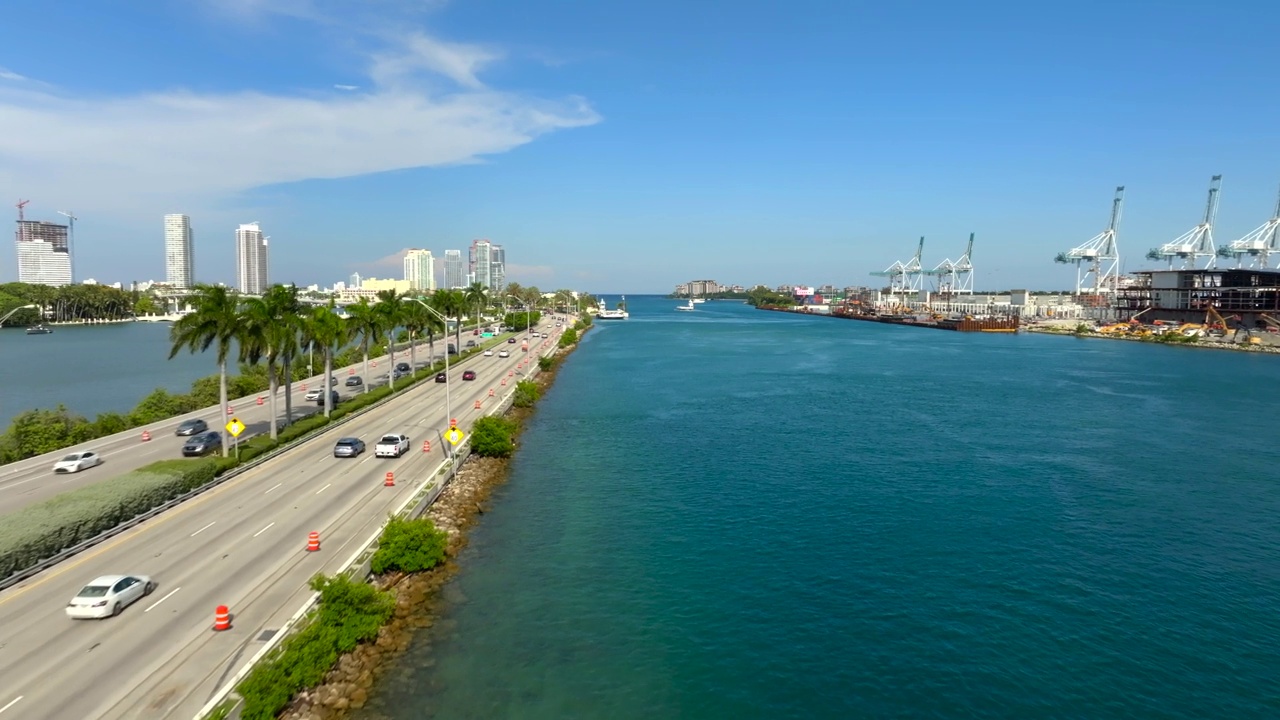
column 108, row 595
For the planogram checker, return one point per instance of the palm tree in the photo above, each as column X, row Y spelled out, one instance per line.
column 390, row 307
column 364, row 323
column 417, row 319
column 476, row 295
column 452, row 304
column 268, row 332
column 325, row 330
column 214, row 320
column 291, row 316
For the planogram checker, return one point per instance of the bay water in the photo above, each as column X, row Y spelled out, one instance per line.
column 735, row 513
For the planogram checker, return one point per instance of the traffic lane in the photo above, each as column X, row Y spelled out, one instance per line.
column 181, row 581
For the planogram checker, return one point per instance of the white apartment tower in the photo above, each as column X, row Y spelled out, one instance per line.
column 497, row 269
column 179, row 251
column 454, row 277
column 251, row 259
column 420, row 270
column 44, row 253
column 481, row 259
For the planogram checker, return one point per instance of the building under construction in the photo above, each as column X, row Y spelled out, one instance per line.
column 1248, row 297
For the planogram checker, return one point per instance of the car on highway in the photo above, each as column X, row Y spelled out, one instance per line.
column 355, row 381
column 202, row 444
column 108, row 595
column 315, row 394
column 469, row 375
column 334, row 398
column 488, row 353
column 441, row 377
column 504, row 354
column 391, row 446
column 511, row 340
column 191, row 427
column 404, row 368
column 348, row 447
column 452, row 350
column 77, row 461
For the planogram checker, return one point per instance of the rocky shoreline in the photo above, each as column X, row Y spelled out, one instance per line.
column 1203, row 344
column 418, row 599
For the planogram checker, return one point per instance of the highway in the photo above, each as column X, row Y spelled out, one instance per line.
column 32, row 480
column 241, row 544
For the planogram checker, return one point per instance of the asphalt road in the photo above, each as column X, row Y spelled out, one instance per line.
column 241, row 545
column 31, row 481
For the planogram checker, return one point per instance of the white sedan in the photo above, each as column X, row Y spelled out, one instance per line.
column 488, row 353
column 77, row 461
column 314, row 394
column 108, row 595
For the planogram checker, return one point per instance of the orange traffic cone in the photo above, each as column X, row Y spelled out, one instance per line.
column 477, row 405
column 391, row 480
column 231, row 410
column 222, row 618
column 313, row 542
column 426, row 446
column 259, row 399
column 145, row 436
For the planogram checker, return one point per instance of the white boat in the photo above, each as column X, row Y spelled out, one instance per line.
column 699, row 300
column 619, row 314
column 687, row 306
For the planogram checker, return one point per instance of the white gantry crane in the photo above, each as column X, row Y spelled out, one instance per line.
column 1098, row 260
column 905, row 278
column 1196, row 243
column 71, row 240
column 1258, row 245
column 955, row 277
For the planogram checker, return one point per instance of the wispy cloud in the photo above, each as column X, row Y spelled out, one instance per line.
column 10, row 75
column 182, row 149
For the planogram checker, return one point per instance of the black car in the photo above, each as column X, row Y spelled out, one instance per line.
column 469, row 375
column 202, row 444
column 441, row 377
column 452, row 350
column 334, row 399
column 511, row 340
column 192, row 427
column 348, row 447
column 355, row 381
column 404, row 367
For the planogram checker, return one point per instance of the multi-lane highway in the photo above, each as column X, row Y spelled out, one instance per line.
column 32, row 480
column 241, row 544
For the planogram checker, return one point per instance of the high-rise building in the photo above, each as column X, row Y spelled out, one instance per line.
column 498, row 269
column 354, row 280
column 251, row 259
column 44, row 255
column 420, row 270
column 179, row 251
column 481, row 260
column 454, row 277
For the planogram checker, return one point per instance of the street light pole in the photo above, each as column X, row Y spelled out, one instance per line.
column 448, row 405
column 11, row 312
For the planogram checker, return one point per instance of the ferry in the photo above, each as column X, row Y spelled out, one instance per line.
column 619, row 314
column 40, row 329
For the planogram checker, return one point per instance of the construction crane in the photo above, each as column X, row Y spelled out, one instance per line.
column 1098, row 260
column 1195, row 243
column 21, row 204
column 1258, row 245
column 71, row 241
column 955, row 276
column 904, row 277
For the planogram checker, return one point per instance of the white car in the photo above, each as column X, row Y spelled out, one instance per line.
column 77, row 461
column 108, row 596
column 488, row 353
column 391, row 446
column 314, row 394
column 503, row 354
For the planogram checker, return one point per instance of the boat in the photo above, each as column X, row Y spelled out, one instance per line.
column 686, row 306
column 699, row 300
column 40, row 329
column 619, row 314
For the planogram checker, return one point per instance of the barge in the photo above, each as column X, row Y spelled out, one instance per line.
column 935, row 321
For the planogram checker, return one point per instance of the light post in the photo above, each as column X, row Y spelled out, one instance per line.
column 11, row 312
column 527, row 314
column 448, row 405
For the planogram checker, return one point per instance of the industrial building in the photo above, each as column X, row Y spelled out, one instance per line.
column 1243, row 295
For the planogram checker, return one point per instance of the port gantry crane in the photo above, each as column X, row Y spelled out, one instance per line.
column 955, row 277
column 1195, row 243
column 1098, row 260
column 905, row 278
column 1258, row 245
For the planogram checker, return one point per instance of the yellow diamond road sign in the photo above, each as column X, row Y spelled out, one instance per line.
column 235, row 427
column 454, row 435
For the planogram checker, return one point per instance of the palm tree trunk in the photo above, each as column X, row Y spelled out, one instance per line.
column 328, row 391
column 431, row 346
column 413, row 352
column 222, row 397
column 288, row 389
column 367, row 379
column 273, row 384
column 391, row 359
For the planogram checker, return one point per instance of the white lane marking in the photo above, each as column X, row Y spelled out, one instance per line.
column 206, row 527
column 326, row 487
column 273, row 487
column 166, row 597
column 11, row 703
column 263, row 530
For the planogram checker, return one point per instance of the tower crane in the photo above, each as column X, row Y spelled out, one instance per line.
column 1098, row 260
column 71, row 241
column 1195, row 243
column 905, row 277
column 1258, row 245
column 21, row 204
column 955, row 276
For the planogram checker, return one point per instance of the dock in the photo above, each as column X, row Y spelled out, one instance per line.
column 955, row 323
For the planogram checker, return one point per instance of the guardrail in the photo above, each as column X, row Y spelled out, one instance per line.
column 359, row 565
column 49, row 562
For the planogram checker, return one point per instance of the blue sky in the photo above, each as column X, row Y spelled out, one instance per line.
column 625, row 147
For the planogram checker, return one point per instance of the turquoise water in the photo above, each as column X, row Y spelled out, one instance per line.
column 732, row 513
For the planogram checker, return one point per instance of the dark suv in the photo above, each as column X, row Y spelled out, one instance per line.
column 441, row 377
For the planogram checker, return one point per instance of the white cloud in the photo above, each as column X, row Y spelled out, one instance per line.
column 346, row 87
column 150, row 151
column 10, row 75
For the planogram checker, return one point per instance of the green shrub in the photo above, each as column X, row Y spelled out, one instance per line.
column 409, row 546
column 40, row 531
column 569, row 337
column 350, row 612
column 526, row 394
column 493, row 436
column 546, row 363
